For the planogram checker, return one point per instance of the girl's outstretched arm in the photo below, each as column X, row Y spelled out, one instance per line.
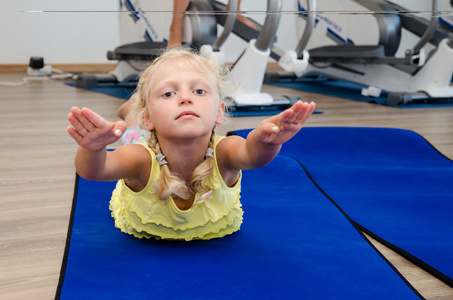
column 264, row 143
column 279, row 129
column 93, row 133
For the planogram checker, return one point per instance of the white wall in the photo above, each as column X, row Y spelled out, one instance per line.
column 66, row 37
column 85, row 37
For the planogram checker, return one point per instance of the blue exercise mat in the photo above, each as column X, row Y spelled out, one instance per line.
column 293, row 244
column 118, row 90
column 391, row 182
column 352, row 91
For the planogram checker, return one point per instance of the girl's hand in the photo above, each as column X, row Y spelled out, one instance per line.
column 282, row 127
column 91, row 131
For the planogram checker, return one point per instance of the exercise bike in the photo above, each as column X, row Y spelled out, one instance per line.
column 200, row 33
column 335, row 47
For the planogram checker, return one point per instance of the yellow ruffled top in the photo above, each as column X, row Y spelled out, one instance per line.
column 143, row 215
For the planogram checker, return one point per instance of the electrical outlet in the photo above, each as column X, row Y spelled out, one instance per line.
column 46, row 70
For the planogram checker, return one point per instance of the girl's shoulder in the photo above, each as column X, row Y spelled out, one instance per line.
column 137, row 149
column 228, row 142
column 138, row 162
column 134, row 155
column 226, row 149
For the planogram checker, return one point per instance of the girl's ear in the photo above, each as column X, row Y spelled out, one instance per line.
column 220, row 113
column 147, row 121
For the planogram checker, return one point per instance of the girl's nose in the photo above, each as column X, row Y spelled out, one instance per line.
column 185, row 97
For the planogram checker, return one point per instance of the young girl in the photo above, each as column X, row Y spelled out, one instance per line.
column 184, row 181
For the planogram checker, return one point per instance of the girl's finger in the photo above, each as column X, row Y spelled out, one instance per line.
column 76, row 124
column 81, row 117
column 303, row 114
column 95, row 120
column 284, row 117
column 120, row 128
column 310, row 111
column 74, row 134
column 297, row 108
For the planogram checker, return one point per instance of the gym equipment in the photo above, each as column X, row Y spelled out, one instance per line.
column 338, row 49
column 201, row 30
column 144, row 28
column 352, row 91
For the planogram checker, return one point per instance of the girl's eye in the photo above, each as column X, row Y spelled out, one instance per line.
column 168, row 94
column 199, row 92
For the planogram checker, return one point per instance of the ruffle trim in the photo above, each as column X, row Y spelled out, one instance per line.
column 128, row 223
column 197, row 216
column 186, row 236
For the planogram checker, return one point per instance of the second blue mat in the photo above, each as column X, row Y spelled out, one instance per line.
column 391, row 182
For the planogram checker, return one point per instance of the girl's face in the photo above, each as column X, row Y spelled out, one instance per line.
column 183, row 101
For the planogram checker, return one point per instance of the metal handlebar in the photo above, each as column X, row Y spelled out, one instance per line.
column 430, row 31
column 229, row 24
column 309, row 27
column 264, row 40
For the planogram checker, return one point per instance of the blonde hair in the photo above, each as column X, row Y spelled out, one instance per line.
column 170, row 183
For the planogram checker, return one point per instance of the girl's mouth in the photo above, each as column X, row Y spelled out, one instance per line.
column 187, row 115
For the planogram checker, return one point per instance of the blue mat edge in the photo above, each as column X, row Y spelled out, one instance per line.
column 361, row 229
column 64, row 262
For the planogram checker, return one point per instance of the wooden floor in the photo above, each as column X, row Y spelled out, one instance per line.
column 37, row 173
